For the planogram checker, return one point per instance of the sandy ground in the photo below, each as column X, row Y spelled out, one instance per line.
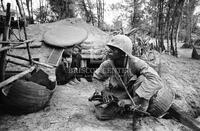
column 69, row 109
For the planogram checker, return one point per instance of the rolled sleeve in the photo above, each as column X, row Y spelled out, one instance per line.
column 104, row 71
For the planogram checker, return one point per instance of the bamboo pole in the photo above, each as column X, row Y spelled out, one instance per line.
column 25, row 35
column 42, row 64
column 5, row 38
column 35, row 62
column 8, row 47
column 13, row 78
column 20, row 42
column 19, row 57
column 24, row 47
column 16, row 63
column 18, row 21
column 11, row 31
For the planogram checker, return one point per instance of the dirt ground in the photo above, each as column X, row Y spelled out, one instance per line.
column 70, row 110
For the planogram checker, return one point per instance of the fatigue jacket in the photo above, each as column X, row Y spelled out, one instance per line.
column 148, row 82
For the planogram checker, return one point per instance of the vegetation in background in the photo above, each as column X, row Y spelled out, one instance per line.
column 170, row 20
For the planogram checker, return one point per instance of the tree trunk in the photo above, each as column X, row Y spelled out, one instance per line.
column 19, row 7
column 2, row 6
column 3, row 54
column 167, row 22
column 179, row 13
column 98, row 13
column 71, row 13
column 40, row 3
column 91, row 14
column 172, row 41
column 160, row 25
column 188, row 28
column 87, row 13
column 103, row 8
column 46, row 10
column 32, row 21
column 23, row 13
column 28, row 9
column 168, row 37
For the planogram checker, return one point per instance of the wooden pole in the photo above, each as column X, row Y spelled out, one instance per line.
column 16, row 63
column 19, row 7
column 35, row 62
column 42, row 64
column 11, row 31
column 5, row 48
column 5, row 38
column 18, row 21
column 18, row 57
column 24, row 27
column 21, row 42
column 27, row 45
column 13, row 78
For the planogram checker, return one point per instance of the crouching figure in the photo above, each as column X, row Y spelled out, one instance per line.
column 131, row 82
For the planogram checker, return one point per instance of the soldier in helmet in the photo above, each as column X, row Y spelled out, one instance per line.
column 143, row 82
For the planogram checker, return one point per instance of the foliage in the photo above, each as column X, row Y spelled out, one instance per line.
column 63, row 8
column 85, row 10
column 44, row 15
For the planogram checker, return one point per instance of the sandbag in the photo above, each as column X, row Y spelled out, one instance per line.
column 160, row 103
column 26, row 96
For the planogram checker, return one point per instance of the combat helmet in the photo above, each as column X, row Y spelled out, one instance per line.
column 121, row 42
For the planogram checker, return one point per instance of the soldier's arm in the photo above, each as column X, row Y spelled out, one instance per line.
column 102, row 74
column 98, row 85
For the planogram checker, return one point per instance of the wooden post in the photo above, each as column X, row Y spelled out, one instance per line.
column 18, row 57
column 17, row 63
column 42, row 64
column 9, row 42
column 27, row 44
column 5, row 48
column 18, row 21
column 5, row 38
column 24, row 27
column 13, row 78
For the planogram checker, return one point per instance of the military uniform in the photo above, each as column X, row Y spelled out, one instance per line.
column 147, row 85
column 142, row 81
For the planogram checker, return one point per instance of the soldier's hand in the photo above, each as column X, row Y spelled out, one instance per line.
column 108, row 97
column 124, row 102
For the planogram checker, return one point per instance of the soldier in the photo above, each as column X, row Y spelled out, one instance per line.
column 143, row 82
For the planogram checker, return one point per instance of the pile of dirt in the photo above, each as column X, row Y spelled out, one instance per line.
column 93, row 46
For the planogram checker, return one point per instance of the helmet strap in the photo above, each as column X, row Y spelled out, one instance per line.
column 125, row 61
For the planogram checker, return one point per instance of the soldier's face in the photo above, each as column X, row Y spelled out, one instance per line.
column 115, row 53
column 75, row 51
